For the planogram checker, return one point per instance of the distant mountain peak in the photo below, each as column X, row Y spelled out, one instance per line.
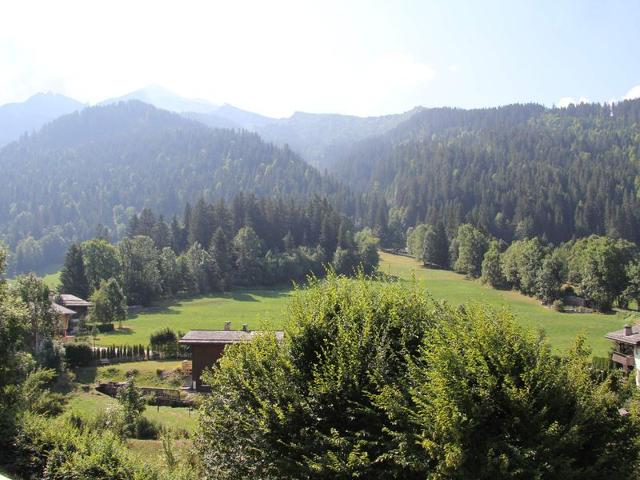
column 20, row 117
column 163, row 98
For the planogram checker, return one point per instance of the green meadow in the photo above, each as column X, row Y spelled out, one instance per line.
column 561, row 328
column 258, row 308
column 265, row 309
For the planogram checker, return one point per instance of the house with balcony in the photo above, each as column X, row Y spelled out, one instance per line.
column 626, row 348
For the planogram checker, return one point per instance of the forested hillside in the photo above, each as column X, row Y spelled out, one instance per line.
column 102, row 164
column 514, row 171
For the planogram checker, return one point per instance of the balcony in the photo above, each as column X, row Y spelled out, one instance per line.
column 626, row 360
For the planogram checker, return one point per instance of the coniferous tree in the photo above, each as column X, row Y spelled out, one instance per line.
column 221, row 255
column 179, row 236
column 436, row 246
column 202, row 224
column 72, row 277
column 161, row 234
column 248, row 249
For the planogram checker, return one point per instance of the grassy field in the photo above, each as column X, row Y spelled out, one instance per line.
column 146, row 374
column 52, row 280
column 561, row 328
column 259, row 308
column 265, row 308
column 89, row 404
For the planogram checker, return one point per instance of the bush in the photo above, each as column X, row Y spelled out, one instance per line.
column 78, row 354
column 558, row 306
column 105, row 327
column 132, row 373
column 377, row 381
column 145, row 429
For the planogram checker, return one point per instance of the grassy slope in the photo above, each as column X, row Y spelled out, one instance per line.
column 259, row 308
column 561, row 328
column 89, row 404
column 52, row 280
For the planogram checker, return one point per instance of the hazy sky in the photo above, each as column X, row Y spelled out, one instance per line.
column 356, row 57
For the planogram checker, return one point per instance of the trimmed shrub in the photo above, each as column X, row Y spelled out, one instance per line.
column 105, row 327
column 78, row 354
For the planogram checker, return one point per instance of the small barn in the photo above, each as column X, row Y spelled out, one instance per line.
column 207, row 346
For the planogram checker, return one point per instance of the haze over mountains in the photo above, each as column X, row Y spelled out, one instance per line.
column 315, row 136
column 25, row 117
column 513, row 171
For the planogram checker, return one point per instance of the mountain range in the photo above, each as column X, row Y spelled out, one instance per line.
column 515, row 171
column 316, row 137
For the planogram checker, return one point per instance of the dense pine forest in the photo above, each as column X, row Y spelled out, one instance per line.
column 514, row 172
column 213, row 247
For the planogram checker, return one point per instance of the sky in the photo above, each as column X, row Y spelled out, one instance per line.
column 352, row 57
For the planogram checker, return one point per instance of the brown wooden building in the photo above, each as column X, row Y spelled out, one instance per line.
column 65, row 315
column 207, row 346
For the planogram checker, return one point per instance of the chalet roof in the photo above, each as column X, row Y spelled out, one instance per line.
column 69, row 300
column 221, row 337
column 619, row 336
column 59, row 309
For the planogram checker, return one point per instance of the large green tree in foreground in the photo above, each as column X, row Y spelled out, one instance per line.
column 376, row 380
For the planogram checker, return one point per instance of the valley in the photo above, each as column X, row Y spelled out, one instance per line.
column 361, row 240
column 264, row 309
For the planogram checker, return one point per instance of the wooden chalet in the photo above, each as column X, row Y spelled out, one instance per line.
column 65, row 315
column 626, row 348
column 207, row 346
column 70, row 309
column 78, row 305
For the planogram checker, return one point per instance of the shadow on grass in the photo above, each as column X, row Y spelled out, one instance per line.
column 119, row 331
column 173, row 306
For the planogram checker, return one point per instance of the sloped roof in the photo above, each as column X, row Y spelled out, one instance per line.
column 213, row 337
column 69, row 300
column 59, row 309
column 619, row 336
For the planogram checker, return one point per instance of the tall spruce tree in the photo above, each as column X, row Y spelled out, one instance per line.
column 73, row 279
column 221, row 254
column 436, row 247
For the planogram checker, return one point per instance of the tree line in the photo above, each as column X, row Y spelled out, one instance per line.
column 214, row 247
column 603, row 270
